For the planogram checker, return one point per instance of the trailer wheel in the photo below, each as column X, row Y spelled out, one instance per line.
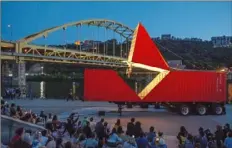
column 144, row 105
column 157, row 106
column 218, row 109
column 184, row 110
column 201, row 109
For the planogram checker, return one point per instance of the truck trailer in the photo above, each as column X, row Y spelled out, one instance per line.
column 186, row 91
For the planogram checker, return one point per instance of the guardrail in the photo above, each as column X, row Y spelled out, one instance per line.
column 9, row 125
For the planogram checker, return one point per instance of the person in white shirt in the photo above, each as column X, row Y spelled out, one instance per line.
column 92, row 124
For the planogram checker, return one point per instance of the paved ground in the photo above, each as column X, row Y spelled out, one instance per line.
column 164, row 121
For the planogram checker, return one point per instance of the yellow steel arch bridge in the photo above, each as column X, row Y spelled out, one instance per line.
column 23, row 50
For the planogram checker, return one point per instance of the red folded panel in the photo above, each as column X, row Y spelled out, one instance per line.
column 189, row 86
column 144, row 51
column 107, row 85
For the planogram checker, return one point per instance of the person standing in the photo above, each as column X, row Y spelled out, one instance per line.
column 70, row 95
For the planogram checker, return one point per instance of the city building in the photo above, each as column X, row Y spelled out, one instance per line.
column 166, row 37
column 222, row 41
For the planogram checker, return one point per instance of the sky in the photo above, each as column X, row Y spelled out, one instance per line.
column 181, row 19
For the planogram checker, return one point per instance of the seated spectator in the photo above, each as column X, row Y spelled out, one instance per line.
column 18, row 134
column 121, row 135
column 44, row 137
column 142, row 141
column 211, row 142
column 131, row 127
column 113, row 139
column 36, row 143
column 161, row 142
column 228, row 141
column 19, row 111
column 23, row 142
column 189, row 142
column 12, row 109
column 130, row 143
column 90, row 142
column 151, row 135
column 81, row 140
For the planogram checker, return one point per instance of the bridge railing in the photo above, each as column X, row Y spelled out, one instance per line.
column 9, row 125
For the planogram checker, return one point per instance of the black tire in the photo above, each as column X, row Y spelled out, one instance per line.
column 129, row 105
column 218, row 109
column 157, row 106
column 144, row 105
column 184, row 110
column 201, row 110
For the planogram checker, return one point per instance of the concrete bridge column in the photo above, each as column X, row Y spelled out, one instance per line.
column 22, row 78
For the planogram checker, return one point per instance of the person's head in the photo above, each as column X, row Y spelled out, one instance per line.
column 105, row 124
column 91, row 119
column 118, row 122
column 132, row 120
column 120, row 130
column 152, row 129
column 19, row 131
column 160, row 134
column 113, row 131
column 12, row 105
column 230, row 134
column 55, row 117
column 68, row 120
column 50, row 115
column 68, row 145
column 102, row 120
column 190, row 137
column 37, row 135
column 87, row 123
column 18, row 108
column 138, row 124
column 200, row 129
column 82, row 137
column 142, row 134
column 202, row 133
column 182, row 129
column 227, row 126
column 44, row 133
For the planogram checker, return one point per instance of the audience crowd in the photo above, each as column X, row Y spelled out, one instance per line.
column 89, row 133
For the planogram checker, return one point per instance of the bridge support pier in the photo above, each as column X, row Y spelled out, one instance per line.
column 22, row 78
